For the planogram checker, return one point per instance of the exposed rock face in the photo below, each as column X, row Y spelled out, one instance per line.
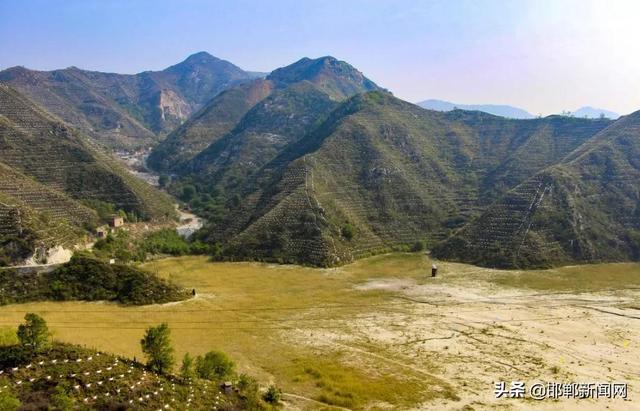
column 172, row 107
column 127, row 111
column 336, row 80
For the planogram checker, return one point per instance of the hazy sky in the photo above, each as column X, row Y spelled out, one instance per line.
column 544, row 56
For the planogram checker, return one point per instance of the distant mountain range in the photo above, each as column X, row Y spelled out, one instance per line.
column 591, row 112
column 510, row 111
column 496, row 110
column 125, row 111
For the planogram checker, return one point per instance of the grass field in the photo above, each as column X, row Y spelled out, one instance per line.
column 367, row 335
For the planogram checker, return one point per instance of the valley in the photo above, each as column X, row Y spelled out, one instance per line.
column 381, row 333
column 287, row 223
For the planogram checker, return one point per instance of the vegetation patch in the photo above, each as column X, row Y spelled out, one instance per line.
column 54, row 375
column 88, row 279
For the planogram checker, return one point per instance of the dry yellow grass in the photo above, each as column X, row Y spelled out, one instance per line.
column 292, row 325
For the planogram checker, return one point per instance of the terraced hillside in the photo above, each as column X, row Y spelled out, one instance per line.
column 65, row 376
column 586, row 209
column 35, row 217
column 325, row 78
column 127, row 111
column 379, row 173
column 47, row 168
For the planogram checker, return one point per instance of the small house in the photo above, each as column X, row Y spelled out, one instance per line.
column 116, row 221
column 227, row 387
column 101, row 232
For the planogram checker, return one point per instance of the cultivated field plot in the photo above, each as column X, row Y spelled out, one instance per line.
column 382, row 334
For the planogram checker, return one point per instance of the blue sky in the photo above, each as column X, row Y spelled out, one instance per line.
column 542, row 55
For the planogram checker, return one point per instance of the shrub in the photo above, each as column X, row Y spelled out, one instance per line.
column 186, row 370
column 273, row 395
column 163, row 180
column 214, row 365
column 60, row 400
column 348, row 231
column 418, row 246
column 8, row 337
column 156, row 345
column 8, row 402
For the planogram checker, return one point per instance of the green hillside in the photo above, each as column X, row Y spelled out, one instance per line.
column 584, row 209
column 127, row 111
column 208, row 125
column 377, row 173
column 48, row 170
column 325, row 78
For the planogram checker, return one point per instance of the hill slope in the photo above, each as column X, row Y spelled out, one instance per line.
column 379, row 173
column 335, row 79
column 127, row 111
column 47, row 169
column 585, row 209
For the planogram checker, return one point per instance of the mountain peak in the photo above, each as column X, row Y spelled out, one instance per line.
column 594, row 112
column 337, row 78
column 201, row 56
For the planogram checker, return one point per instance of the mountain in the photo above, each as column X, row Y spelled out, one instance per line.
column 206, row 126
column 367, row 174
column 125, row 111
column 591, row 112
column 51, row 177
column 335, row 79
column 497, row 110
column 584, row 209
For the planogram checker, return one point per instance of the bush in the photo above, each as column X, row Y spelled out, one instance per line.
column 273, row 395
column 166, row 241
column 186, row 370
column 163, row 180
column 348, row 231
column 8, row 402
column 60, row 400
column 418, row 246
column 8, row 337
column 214, row 365
column 156, row 344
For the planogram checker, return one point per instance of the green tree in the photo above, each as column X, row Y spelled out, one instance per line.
column 163, row 180
column 156, row 345
column 9, row 402
column 34, row 333
column 188, row 192
column 418, row 246
column 186, row 370
column 214, row 365
column 250, row 392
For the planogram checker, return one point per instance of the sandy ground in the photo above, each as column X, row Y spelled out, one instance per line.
column 470, row 334
column 189, row 223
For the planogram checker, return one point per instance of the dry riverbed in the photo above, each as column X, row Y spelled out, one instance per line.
column 382, row 334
